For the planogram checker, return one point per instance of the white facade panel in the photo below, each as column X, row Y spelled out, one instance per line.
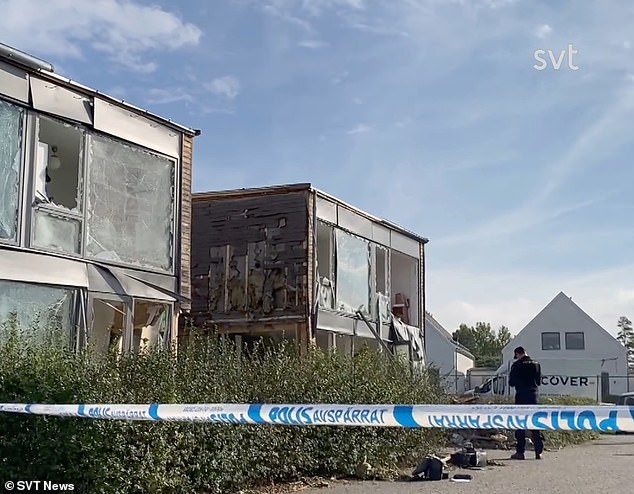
column 123, row 123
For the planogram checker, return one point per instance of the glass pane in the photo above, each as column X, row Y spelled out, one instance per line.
column 353, row 273
column 550, row 341
column 130, row 205
column 10, row 160
column 35, row 310
column 151, row 323
column 56, row 232
column 574, row 341
column 59, row 164
column 108, row 325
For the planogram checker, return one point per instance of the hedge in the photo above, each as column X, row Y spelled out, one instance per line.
column 103, row 456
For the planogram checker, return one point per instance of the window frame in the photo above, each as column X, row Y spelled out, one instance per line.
column 176, row 206
column 583, row 340
column 33, row 206
column 76, row 308
column 25, row 136
column 369, row 282
column 558, row 340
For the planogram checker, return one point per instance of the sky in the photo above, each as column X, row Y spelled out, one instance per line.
column 429, row 113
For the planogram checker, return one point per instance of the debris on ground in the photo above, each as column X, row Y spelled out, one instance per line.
column 363, row 470
column 291, row 487
column 431, row 468
column 469, row 457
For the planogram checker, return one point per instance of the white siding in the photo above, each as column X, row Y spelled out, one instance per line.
column 562, row 315
column 443, row 354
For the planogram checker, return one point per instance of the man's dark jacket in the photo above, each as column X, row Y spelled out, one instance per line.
column 525, row 377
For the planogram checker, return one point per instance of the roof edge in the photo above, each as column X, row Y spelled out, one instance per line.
column 371, row 217
column 41, row 68
column 250, row 191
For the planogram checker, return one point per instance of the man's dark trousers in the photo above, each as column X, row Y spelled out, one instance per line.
column 528, row 398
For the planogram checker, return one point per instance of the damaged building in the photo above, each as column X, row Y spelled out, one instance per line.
column 292, row 262
column 95, row 206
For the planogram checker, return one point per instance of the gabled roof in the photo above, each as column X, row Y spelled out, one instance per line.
column 440, row 329
column 561, row 300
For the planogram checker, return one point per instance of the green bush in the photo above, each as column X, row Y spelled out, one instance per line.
column 134, row 457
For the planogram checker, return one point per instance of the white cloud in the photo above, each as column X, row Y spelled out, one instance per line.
column 378, row 29
column 543, row 31
column 160, row 96
column 125, row 30
column 606, row 133
column 339, row 78
column 514, row 298
column 227, row 86
column 359, row 129
column 317, row 7
column 313, row 44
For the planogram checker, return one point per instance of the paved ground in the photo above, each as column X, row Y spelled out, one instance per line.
column 602, row 467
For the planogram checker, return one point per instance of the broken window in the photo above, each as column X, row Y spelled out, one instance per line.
column 353, row 273
column 325, row 256
column 130, row 210
column 58, row 195
column 380, row 269
column 404, row 287
column 37, row 310
column 325, row 265
column 108, row 325
column 151, row 325
column 11, row 118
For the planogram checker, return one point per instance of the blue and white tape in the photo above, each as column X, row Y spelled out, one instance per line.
column 540, row 417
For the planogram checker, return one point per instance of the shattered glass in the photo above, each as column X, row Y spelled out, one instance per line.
column 35, row 310
column 10, row 159
column 151, row 325
column 130, row 205
column 353, row 273
column 56, row 232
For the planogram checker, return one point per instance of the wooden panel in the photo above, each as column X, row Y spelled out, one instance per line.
column 186, row 218
column 312, row 265
column 265, row 261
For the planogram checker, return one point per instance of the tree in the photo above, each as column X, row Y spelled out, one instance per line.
column 626, row 337
column 483, row 342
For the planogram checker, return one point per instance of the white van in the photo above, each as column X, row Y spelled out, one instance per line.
column 570, row 377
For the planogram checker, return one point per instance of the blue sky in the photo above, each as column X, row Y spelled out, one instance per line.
column 426, row 112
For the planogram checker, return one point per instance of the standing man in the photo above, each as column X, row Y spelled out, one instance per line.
column 526, row 377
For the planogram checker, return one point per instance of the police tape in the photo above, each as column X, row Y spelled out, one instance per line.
column 539, row 417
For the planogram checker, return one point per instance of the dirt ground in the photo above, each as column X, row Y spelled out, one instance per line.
column 605, row 466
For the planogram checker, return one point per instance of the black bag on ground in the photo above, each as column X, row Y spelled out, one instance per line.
column 431, row 468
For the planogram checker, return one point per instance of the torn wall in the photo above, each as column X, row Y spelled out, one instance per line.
column 250, row 258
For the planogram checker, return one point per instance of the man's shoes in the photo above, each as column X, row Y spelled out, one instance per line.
column 518, row 456
column 538, row 456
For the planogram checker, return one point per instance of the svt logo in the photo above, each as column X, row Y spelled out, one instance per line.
column 556, row 61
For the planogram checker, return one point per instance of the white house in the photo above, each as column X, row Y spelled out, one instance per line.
column 567, row 340
column 450, row 358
